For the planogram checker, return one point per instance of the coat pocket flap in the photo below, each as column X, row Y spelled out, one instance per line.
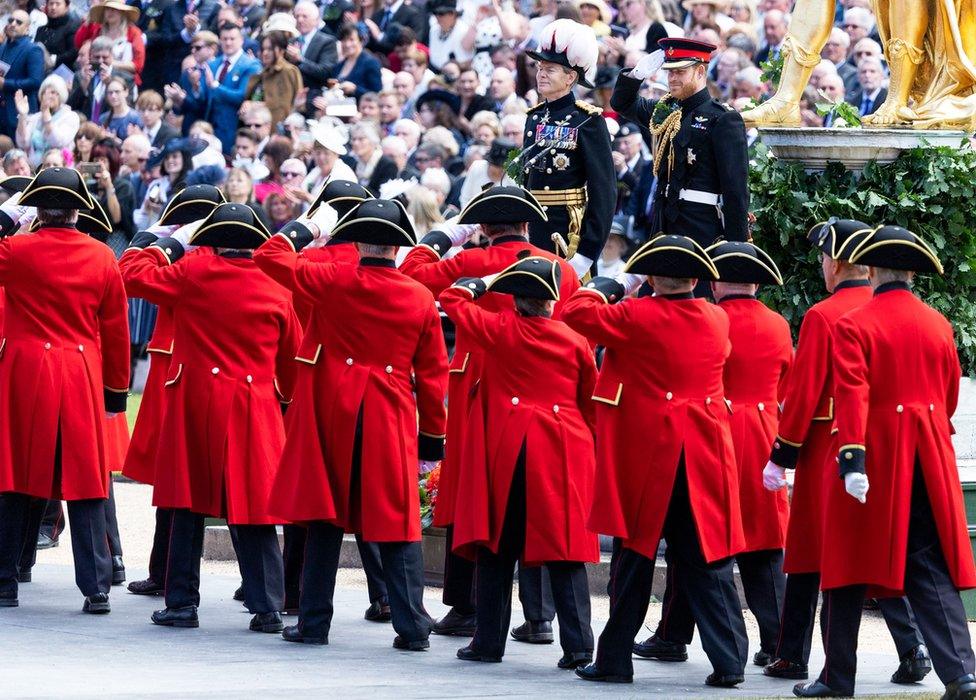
column 176, row 377
column 609, row 394
column 309, row 353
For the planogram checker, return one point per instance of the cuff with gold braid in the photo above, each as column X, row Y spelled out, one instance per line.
column 785, row 453
column 297, row 234
column 850, row 458
column 437, row 241
column 170, row 247
column 610, row 290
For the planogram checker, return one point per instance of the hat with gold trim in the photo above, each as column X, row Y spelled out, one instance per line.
column 837, row 238
column 896, row 248
column 231, row 225
column 672, row 256
column 92, row 221
column 57, row 188
column 376, row 222
column 533, row 277
column 742, row 262
column 15, row 183
column 191, row 204
column 341, row 195
column 503, row 204
column 682, row 53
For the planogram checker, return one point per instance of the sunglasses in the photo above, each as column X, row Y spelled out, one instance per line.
column 198, row 47
column 18, row 22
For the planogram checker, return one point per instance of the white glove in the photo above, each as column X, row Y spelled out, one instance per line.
column 183, row 234
column 161, row 230
column 648, row 65
column 629, row 282
column 14, row 209
column 856, row 484
column 581, row 264
column 426, row 466
column 324, row 219
column 458, row 233
column 774, row 477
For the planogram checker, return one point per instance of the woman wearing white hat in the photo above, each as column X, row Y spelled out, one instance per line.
column 330, row 143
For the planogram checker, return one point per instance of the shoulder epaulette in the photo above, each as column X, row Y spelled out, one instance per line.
column 535, row 106
column 587, row 107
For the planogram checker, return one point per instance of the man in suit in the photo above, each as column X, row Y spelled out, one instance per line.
column 88, row 92
column 384, row 23
column 169, row 44
column 835, row 51
column 251, row 14
column 26, row 61
column 628, row 161
column 314, row 52
column 872, row 93
column 775, row 26
column 217, row 89
column 150, row 108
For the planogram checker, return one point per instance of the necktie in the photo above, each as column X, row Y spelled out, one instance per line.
column 866, row 104
column 225, row 66
column 387, row 16
column 96, row 103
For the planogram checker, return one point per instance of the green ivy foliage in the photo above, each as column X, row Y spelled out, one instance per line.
column 931, row 191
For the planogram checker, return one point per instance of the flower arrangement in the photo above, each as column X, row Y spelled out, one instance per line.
column 428, row 495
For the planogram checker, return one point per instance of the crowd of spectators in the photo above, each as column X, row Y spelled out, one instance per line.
column 424, row 100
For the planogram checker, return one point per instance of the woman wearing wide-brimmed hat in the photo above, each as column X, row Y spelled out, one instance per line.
column 117, row 21
column 176, row 160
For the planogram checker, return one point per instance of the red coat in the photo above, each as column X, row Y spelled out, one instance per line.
column 554, row 420
column 755, row 375
column 425, row 266
column 66, row 341
column 90, row 30
column 659, row 394
column 374, row 348
column 807, row 420
column 140, row 459
column 897, row 377
column 336, row 252
column 235, row 335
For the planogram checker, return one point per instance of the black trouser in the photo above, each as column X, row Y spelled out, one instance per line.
column 258, row 557
column 159, row 555
column 764, row 585
column 458, row 577
column 112, row 523
column 495, row 573
column 36, row 514
column 403, row 570
column 52, row 521
column 931, row 593
column 710, row 590
column 294, row 556
column 89, row 545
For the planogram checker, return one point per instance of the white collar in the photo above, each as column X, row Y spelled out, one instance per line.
column 231, row 60
column 395, row 7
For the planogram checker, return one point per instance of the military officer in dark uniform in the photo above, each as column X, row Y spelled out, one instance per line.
column 701, row 161
column 565, row 161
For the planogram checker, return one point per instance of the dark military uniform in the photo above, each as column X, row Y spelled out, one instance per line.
column 705, row 194
column 566, row 164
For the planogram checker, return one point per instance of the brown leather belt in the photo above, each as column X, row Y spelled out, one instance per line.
column 575, row 197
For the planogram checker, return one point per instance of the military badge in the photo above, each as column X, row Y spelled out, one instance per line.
column 700, row 123
column 691, row 157
column 563, row 137
column 560, row 161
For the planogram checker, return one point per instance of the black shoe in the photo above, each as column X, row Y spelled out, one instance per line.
column 570, row 661
column 118, row 571
column 24, row 576
column 146, row 586
column 656, row 648
column 267, row 622
column 533, row 632
column 815, row 689
column 469, row 654
column 177, row 617
column 97, row 604
column 378, row 612
column 45, row 541
column 293, row 634
column 761, row 658
column 914, row 666
column 717, row 681
column 239, row 594
column 456, row 624
column 781, row 668
column 591, row 673
column 9, row 600
column 963, row 688
column 408, row 645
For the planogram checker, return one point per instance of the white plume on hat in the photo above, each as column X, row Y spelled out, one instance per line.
column 575, row 40
column 391, row 189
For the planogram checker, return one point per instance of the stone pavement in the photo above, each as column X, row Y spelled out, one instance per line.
column 48, row 648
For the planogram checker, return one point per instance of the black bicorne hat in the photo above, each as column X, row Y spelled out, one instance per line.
column 57, row 188
column 341, row 195
column 503, row 204
column 231, row 225
column 15, row 183
column 837, row 238
column 896, row 248
column 672, row 256
column 92, row 221
column 191, row 204
column 376, row 222
column 741, row 262
column 533, row 277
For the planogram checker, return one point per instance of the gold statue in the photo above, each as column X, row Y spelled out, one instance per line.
column 930, row 46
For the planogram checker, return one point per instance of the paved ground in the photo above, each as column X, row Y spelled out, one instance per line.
column 48, row 648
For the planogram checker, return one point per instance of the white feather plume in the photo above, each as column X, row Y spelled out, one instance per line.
column 575, row 40
column 391, row 189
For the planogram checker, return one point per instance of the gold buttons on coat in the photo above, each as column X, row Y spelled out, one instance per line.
column 389, row 369
column 47, row 346
column 555, row 409
column 762, row 406
column 81, row 348
column 250, row 379
column 900, row 408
